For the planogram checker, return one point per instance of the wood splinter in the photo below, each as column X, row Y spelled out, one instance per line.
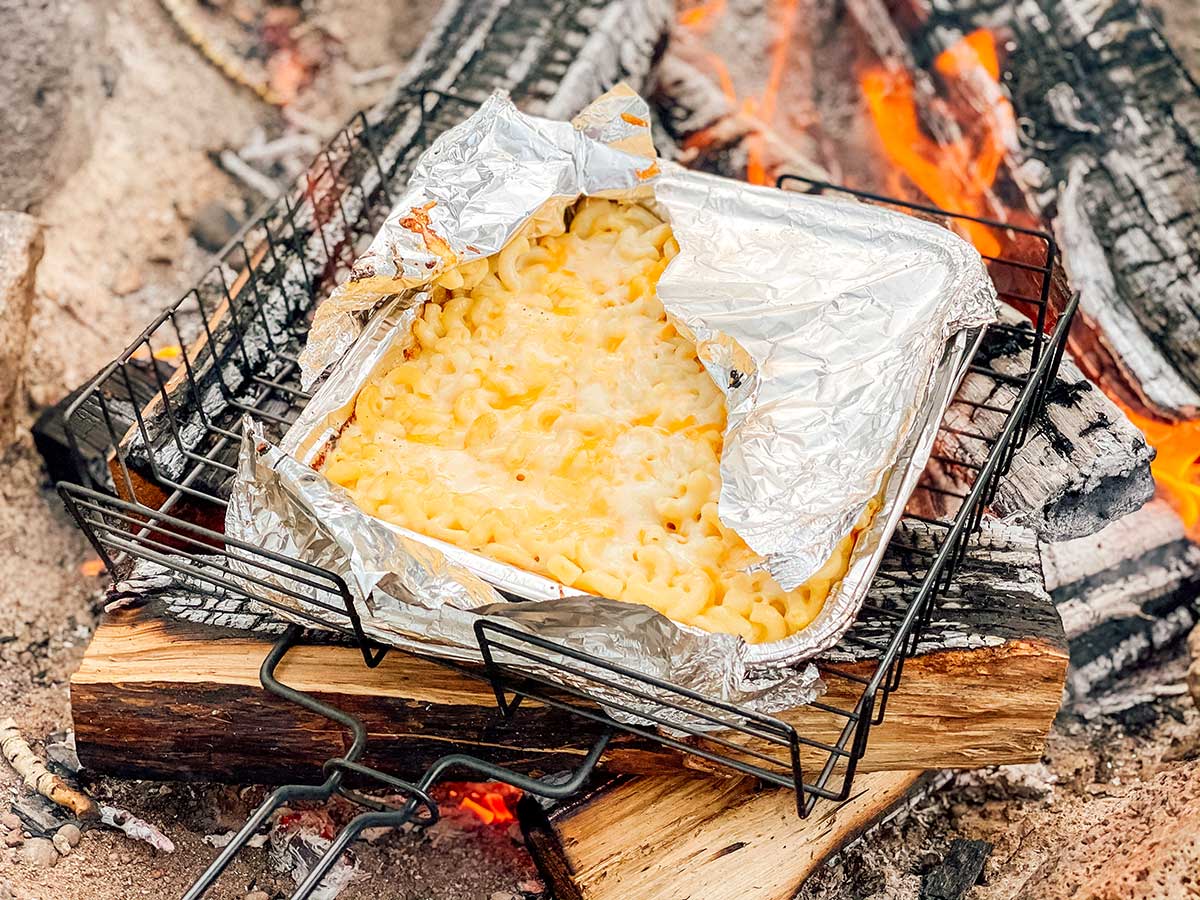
column 38, row 778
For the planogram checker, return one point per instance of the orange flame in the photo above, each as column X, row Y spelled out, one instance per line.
column 491, row 811
column 957, row 176
column 759, row 107
column 1176, row 468
column 976, row 48
column 764, row 107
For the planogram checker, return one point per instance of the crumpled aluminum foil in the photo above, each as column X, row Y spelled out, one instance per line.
column 837, row 331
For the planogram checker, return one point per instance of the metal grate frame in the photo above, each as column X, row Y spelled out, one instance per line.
column 228, row 348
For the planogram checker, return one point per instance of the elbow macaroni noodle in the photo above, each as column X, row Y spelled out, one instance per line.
column 549, row 416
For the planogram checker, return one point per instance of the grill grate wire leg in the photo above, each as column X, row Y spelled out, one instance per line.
column 379, row 814
column 288, row 793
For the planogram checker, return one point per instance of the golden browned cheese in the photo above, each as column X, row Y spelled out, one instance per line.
column 551, row 417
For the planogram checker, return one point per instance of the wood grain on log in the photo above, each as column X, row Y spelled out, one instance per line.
column 670, row 837
column 983, row 689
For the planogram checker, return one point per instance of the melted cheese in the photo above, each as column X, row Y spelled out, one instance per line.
column 551, row 417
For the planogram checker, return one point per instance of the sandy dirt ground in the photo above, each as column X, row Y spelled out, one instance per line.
column 132, row 122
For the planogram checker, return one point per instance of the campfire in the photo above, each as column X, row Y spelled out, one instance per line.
column 1040, row 570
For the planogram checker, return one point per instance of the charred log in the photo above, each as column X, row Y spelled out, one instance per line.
column 1123, row 594
column 1110, row 153
column 1084, row 463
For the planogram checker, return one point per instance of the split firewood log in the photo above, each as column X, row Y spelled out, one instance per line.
column 175, row 676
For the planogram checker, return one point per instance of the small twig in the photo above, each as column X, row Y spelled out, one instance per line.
column 40, row 779
column 216, row 52
column 295, row 144
column 364, row 77
column 136, row 828
column 247, row 174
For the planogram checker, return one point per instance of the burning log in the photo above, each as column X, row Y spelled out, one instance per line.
column 1119, row 178
column 1106, row 155
column 665, row 838
column 1106, row 152
column 983, row 689
column 1084, row 463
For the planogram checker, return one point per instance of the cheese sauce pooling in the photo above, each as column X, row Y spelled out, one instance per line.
column 549, row 416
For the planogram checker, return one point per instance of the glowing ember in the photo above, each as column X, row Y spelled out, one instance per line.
column 92, row 568
column 956, row 176
column 490, row 802
column 492, row 811
column 168, row 353
column 1176, row 468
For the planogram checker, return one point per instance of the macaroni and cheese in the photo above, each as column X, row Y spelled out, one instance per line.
column 548, row 415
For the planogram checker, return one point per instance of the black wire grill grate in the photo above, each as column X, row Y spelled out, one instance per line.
column 157, row 431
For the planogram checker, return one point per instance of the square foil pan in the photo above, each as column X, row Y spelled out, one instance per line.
column 849, row 319
column 329, row 411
